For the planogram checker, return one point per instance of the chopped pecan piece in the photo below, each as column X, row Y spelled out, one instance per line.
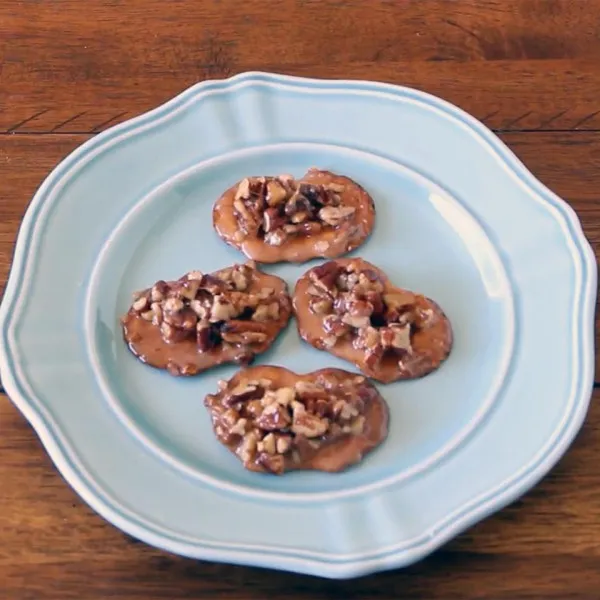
column 274, row 219
column 396, row 336
column 274, row 417
column 266, row 312
column 350, row 308
column 325, row 276
column 243, row 190
column 334, row 215
column 276, row 192
column 321, row 306
column 325, row 420
column 308, row 424
column 273, row 463
column 334, row 325
column 246, row 390
column 159, row 289
column 244, row 332
column 203, row 320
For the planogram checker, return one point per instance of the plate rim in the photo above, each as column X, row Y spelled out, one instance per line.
column 335, row 566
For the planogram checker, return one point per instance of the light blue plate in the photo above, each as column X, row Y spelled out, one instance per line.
column 459, row 219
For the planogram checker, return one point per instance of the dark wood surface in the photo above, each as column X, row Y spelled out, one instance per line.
column 530, row 69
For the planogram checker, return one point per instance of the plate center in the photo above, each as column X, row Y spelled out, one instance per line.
column 424, row 239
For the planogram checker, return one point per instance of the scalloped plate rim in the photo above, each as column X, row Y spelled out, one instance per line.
column 328, row 565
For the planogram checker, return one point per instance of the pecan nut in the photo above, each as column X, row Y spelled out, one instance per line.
column 274, row 417
column 243, row 332
column 334, row 215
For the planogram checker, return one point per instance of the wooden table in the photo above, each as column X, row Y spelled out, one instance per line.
column 530, row 69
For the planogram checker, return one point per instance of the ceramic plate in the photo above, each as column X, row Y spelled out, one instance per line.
column 459, row 219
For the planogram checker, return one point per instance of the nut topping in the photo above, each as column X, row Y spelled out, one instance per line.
column 222, row 309
column 243, row 333
column 334, row 215
column 243, row 190
column 239, row 427
column 350, row 308
column 283, row 444
column 140, row 304
column 274, row 417
column 334, row 325
column 356, row 322
column 291, row 418
column 246, row 390
column 321, row 306
column 309, row 425
column 397, row 336
column 281, row 218
column 336, row 187
column 276, row 192
column 206, row 319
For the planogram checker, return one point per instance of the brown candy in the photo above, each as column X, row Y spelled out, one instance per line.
column 277, row 421
column 201, row 321
column 280, row 219
column 350, row 308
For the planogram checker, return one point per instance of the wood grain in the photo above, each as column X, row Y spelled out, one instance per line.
column 513, row 64
column 530, row 69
